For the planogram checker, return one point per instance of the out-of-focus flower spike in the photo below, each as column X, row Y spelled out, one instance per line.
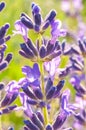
column 28, row 92
column 42, row 52
column 40, row 116
column 10, row 128
column 30, row 125
column 27, row 22
column 59, row 87
column 59, row 121
column 37, row 122
column 45, row 25
column 49, row 84
column 5, row 101
column 38, row 93
column 31, row 46
column 8, row 57
column 27, row 50
column 2, row 5
column 51, row 16
column 50, row 93
column 32, row 102
column 1, row 85
column 3, row 65
column 49, row 127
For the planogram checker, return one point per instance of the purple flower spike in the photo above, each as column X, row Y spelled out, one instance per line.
column 2, row 5
column 32, row 74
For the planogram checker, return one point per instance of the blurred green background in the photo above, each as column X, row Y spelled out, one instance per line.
column 9, row 15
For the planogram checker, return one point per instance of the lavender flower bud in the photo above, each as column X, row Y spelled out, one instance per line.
column 38, row 93
column 30, row 125
column 35, row 8
column 49, row 127
column 37, row 19
column 81, row 46
column 3, row 65
column 42, row 52
column 28, row 92
column 5, row 101
column 8, row 57
column 50, row 93
column 27, row 50
column 49, row 84
column 37, row 122
column 32, row 47
column 2, row 5
column 26, row 128
column 1, row 86
column 13, row 97
column 45, row 25
column 51, row 16
column 40, row 116
column 36, row 28
column 59, row 87
column 50, row 48
column 27, row 22
column 3, row 30
column 59, row 121
column 32, row 102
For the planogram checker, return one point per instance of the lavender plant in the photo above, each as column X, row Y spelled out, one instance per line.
column 45, row 102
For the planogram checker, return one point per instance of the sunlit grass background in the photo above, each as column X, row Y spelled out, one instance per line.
column 9, row 15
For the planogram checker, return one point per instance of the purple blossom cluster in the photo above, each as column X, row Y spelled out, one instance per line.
column 46, row 101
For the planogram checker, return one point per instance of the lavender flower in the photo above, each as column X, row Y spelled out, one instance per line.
column 2, row 5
